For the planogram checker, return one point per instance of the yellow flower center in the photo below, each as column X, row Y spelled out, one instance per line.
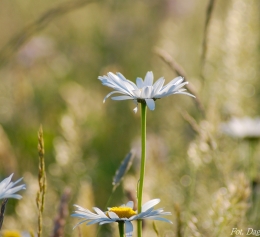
column 123, row 212
column 11, row 233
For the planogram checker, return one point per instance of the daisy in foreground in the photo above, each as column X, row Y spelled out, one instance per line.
column 123, row 215
column 7, row 189
column 143, row 90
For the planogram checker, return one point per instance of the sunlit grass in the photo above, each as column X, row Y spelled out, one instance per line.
column 202, row 175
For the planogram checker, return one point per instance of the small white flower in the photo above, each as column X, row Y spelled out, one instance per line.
column 242, row 127
column 124, row 213
column 7, row 189
column 143, row 90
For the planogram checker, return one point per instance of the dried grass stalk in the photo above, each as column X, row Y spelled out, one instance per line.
column 43, row 21
column 205, row 33
column 40, row 198
column 179, row 223
column 60, row 220
column 167, row 58
column 156, row 229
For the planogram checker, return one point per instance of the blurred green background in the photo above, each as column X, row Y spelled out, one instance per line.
column 51, row 54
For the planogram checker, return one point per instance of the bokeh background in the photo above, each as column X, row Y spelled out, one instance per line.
column 51, row 54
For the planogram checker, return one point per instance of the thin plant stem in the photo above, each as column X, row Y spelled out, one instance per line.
column 121, row 228
column 252, row 174
column 2, row 212
column 206, row 32
column 40, row 198
column 107, row 204
column 142, row 168
column 17, row 41
column 252, row 167
column 31, row 233
column 178, row 69
column 60, row 220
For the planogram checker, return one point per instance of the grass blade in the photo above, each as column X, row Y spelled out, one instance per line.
column 122, row 170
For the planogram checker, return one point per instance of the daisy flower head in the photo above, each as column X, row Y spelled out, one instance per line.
column 144, row 91
column 11, row 233
column 124, row 213
column 7, row 189
column 242, row 128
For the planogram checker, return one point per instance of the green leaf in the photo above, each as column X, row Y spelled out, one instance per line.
column 122, row 170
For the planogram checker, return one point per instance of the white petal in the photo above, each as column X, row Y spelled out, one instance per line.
column 7, row 189
column 82, row 209
column 137, row 93
column 167, row 213
column 142, row 214
column 157, row 86
column 113, row 215
column 158, row 219
column 139, row 82
column 134, row 87
column 186, row 93
column 106, row 222
column 148, row 80
column 99, row 212
column 102, row 78
column 12, row 184
column 5, row 182
column 124, row 79
column 128, row 229
column 150, row 204
column 79, row 223
column 121, row 76
column 122, row 97
column 157, row 211
column 150, row 103
column 176, row 81
column 171, row 90
column 16, row 196
column 132, row 218
column 175, row 93
column 181, row 90
column 130, row 204
column 15, row 189
column 119, row 84
column 146, row 92
column 113, row 76
column 177, row 87
column 111, row 93
column 98, row 220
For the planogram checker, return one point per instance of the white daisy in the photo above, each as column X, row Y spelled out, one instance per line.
column 7, row 189
column 124, row 213
column 242, row 127
column 143, row 90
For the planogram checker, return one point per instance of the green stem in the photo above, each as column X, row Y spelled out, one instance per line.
column 107, row 204
column 142, row 168
column 252, row 172
column 252, row 167
column 121, row 228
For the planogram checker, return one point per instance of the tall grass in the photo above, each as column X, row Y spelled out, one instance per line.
column 50, row 59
